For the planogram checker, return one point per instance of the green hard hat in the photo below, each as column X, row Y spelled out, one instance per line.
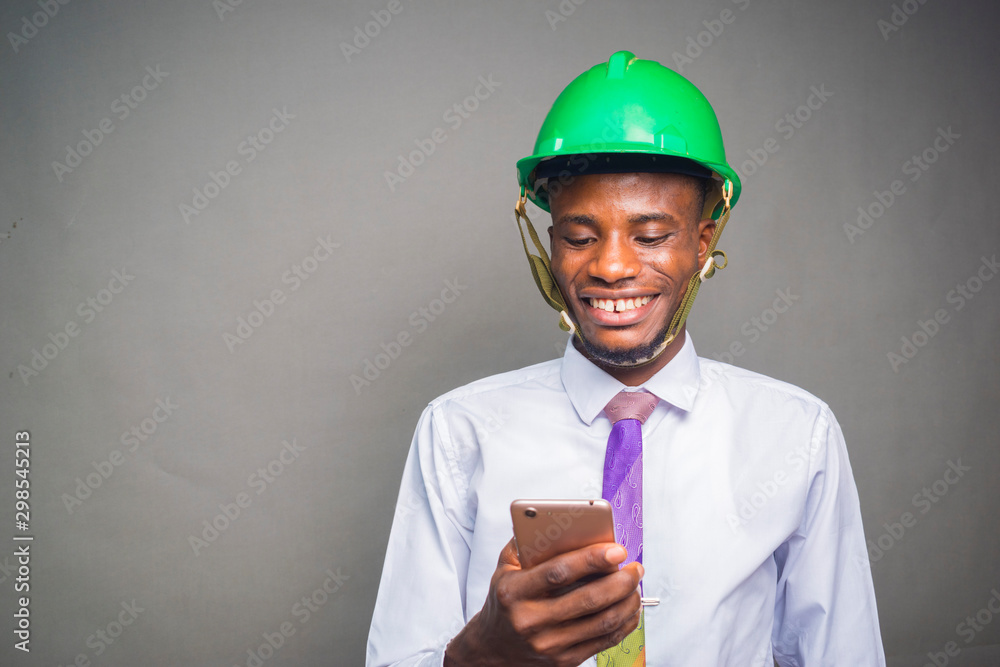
column 627, row 115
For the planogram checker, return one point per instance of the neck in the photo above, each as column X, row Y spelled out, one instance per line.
column 633, row 376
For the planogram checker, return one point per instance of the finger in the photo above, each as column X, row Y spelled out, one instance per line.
column 584, row 637
column 595, row 596
column 589, row 647
column 568, row 568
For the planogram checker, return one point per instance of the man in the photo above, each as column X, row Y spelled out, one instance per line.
column 750, row 548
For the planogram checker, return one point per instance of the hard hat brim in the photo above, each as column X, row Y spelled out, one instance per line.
column 534, row 171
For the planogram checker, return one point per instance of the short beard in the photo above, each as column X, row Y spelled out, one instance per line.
column 625, row 358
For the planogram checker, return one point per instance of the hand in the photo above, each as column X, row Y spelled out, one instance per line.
column 526, row 622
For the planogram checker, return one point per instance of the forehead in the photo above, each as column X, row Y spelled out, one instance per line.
column 633, row 192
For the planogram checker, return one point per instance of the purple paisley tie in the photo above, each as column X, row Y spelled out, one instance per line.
column 627, row 411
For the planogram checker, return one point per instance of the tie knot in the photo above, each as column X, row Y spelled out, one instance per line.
column 631, row 405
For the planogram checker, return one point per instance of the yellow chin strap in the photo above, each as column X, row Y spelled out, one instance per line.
column 541, row 268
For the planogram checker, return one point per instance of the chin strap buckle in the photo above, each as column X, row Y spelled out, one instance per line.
column 541, row 265
column 565, row 323
column 712, row 264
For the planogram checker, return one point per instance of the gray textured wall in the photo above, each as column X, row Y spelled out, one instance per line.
column 165, row 330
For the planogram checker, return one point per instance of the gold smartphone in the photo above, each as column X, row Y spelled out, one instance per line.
column 547, row 528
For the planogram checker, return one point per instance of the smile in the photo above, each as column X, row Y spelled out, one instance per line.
column 619, row 312
column 620, row 305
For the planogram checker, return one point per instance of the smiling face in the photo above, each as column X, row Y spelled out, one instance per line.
column 624, row 247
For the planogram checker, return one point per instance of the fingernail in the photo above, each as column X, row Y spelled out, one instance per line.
column 615, row 554
column 642, row 570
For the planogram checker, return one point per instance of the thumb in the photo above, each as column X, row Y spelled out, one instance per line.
column 508, row 556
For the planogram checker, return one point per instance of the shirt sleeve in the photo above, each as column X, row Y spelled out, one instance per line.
column 420, row 604
column 825, row 612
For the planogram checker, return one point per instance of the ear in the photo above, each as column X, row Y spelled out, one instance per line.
column 706, row 228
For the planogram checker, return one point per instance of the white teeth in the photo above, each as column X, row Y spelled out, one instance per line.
column 619, row 305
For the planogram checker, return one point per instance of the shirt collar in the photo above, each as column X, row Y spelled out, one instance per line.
column 590, row 388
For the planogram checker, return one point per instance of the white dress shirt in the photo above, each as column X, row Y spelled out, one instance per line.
column 752, row 528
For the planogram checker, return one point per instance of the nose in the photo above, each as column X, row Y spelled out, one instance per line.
column 615, row 259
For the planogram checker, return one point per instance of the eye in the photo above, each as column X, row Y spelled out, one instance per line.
column 577, row 242
column 652, row 240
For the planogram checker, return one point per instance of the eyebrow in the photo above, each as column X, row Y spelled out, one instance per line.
column 637, row 219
